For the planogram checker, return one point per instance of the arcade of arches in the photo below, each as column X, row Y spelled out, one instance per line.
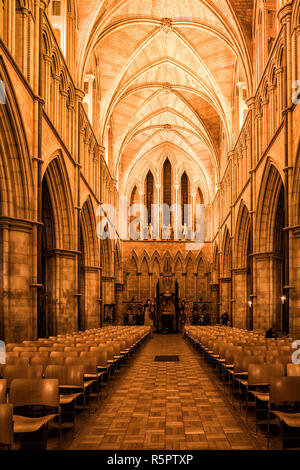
column 143, row 103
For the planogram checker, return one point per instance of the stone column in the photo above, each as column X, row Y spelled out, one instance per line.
column 143, row 224
column 225, row 298
column 47, row 81
column 91, row 294
column 139, row 285
column 215, row 316
column 63, row 111
column 240, row 296
column 177, row 215
column 89, row 78
column 55, row 100
column 158, row 212
column 18, row 313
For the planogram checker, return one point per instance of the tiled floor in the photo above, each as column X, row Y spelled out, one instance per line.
column 172, row 406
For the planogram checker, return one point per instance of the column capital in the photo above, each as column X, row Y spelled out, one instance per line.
column 285, row 12
column 79, row 94
column 43, row 3
column 250, row 102
column 230, row 154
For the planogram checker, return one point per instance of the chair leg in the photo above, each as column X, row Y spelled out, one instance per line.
column 255, row 415
column 268, row 430
column 45, row 436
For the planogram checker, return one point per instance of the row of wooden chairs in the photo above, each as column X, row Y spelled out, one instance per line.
column 260, row 376
column 78, row 369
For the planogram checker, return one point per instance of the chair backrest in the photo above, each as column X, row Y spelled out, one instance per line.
column 285, row 389
column 56, row 372
column 47, row 349
column 10, row 346
column 55, row 354
column 101, row 359
column 12, row 354
column 262, row 374
column 6, row 424
column 110, row 352
column 84, row 348
column 57, row 360
column 259, row 350
column 73, row 361
column 293, row 370
column 89, row 364
column 222, row 349
column 35, row 371
column 43, row 353
column 3, row 385
column 28, row 354
column 59, row 347
column 231, row 352
column 25, row 348
column 17, row 361
column 24, row 392
column 117, row 348
column 242, row 362
column 285, row 350
column 39, row 361
column 11, row 372
column 101, row 355
column 284, row 360
column 74, row 375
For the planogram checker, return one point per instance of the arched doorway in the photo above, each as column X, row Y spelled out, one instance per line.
column 45, row 326
column 280, row 262
column 271, row 259
column 56, row 258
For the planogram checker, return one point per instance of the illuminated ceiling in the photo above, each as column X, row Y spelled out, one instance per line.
column 166, row 71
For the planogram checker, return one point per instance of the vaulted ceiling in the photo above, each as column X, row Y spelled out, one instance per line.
column 166, row 72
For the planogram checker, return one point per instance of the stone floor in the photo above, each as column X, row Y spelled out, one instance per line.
column 164, row 405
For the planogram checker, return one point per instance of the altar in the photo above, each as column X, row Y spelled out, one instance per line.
column 167, row 301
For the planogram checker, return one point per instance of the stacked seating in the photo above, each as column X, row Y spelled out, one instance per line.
column 252, row 368
column 72, row 367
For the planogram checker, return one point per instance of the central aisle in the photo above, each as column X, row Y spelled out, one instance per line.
column 164, row 405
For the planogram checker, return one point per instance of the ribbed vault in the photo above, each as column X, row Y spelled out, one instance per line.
column 166, row 77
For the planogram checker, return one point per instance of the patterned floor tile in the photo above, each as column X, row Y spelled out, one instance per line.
column 172, row 406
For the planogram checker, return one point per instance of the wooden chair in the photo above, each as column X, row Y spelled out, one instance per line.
column 6, row 426
column 259, row 379
column 32, row 399
column 11, row 372
column 284, row 404
column 71, row 387
column 57, row 358
column 40, row 361
column 17, row 361
column 25, row 348
column 3, row 387
column 88, row 382
column 293, row 370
